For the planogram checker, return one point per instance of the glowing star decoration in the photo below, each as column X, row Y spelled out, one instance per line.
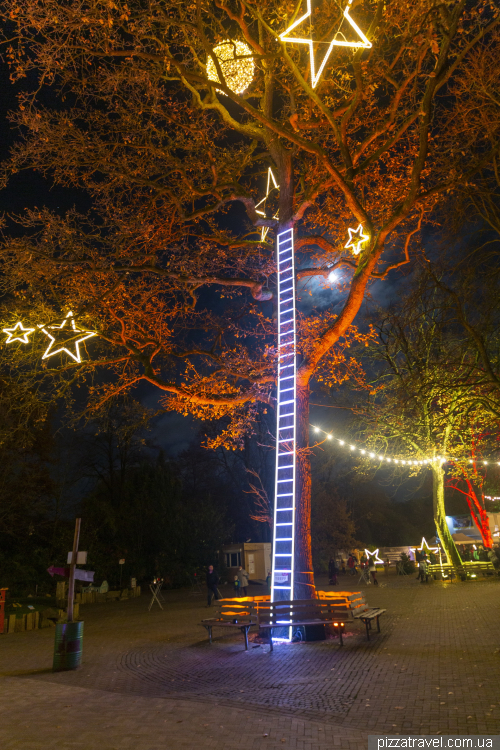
column 275, row 186
column 336, row 42
column 236, row 63
column 73, row 332
column 353, row 243
column 376, row 560
column 425, row 544
column 18, row 333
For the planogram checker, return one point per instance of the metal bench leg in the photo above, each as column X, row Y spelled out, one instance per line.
column 244, row 630
column 270, row 639
column 340, row 636
column 209, row 631
column 367, row 625
column 378, row 625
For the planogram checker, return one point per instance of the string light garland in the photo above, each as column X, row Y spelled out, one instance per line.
column 236, row 63
column 335, row 42
column 353, row 243
column 390, row 460
column 49, row 352
column 275, row 186
column 13, row 336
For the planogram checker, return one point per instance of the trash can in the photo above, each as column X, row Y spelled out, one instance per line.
column 68, row 646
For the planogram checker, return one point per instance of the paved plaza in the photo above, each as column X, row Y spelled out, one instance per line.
column 150, row 680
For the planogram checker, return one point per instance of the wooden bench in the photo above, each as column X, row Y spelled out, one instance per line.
column 484, row 567
column 362, row 611
column 299, row 612
column 231, row 615
column 461, row 571
column 354, row 607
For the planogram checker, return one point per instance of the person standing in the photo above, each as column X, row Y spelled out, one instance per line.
column 422, row 570
column 243, row 579
column 332, row 572
column 212, row 583
column 386, row 566
column 351, row 564
column 268, row 581
column 373, row 571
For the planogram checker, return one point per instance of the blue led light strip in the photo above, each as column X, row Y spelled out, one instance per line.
column 284, row 506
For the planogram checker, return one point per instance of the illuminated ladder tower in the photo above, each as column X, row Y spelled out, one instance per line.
column 284, row 506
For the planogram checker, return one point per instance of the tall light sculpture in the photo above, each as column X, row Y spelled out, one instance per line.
column 284, row 505
column 282, row 582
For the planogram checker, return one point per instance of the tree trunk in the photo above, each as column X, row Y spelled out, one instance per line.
column 440, row 515
column 304, row 575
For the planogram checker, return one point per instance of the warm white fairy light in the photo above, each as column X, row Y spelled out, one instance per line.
column 356, row 239
column 390, row 459
column 335, row 42
column 236, row 63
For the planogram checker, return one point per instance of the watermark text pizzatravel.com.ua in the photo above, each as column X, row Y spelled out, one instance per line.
column 440, row 743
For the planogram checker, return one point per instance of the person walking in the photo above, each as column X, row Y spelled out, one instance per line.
column 373, row 571
column 243, row 579
column 212, row 583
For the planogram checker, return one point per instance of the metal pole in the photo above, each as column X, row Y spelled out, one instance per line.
column 71, row 584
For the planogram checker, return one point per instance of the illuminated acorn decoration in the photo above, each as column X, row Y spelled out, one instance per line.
column 236, row 63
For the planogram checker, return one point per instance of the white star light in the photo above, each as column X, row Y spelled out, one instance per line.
column 377, row 559
column 22, row 338
column 425, row 544
column 76, row 356
column 275, row 186
column 364, row 43
column 361, row 238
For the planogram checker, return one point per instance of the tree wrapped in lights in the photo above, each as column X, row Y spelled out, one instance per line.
column 430, row 396
column 170, row 156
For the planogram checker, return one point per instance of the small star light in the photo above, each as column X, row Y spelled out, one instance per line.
column 21, row 336
column 334, row 43
column 377, row 559
column 72, row 329
column 236, row 63
column 275, row 186
column 355, row 244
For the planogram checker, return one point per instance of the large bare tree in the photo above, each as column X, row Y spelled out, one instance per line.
column 168, row 154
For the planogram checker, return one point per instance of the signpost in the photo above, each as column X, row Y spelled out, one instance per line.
column 121, row 563
column 68, row 642
column 80, row 575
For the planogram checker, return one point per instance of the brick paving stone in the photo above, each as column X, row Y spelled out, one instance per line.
column 150, row 679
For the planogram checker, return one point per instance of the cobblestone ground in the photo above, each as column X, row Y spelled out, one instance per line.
column 150, row 679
